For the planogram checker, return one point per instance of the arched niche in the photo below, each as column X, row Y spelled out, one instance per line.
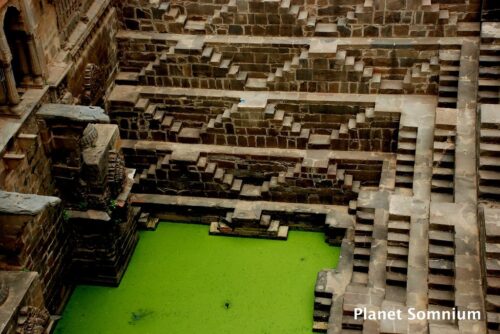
column 18, row 56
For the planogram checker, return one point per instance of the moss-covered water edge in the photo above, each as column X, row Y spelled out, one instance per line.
column 181, row 280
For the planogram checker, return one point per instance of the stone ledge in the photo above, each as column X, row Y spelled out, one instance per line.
column 73, row 113
column 25, row 204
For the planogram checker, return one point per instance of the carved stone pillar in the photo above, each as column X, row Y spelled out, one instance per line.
column 23, row 62
column 10, row 83
column 36, row 68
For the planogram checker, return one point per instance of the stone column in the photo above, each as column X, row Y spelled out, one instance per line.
column 36, row 68
column 10, row 83
column 23, row 62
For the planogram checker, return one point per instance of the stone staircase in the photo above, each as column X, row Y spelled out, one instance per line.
column 449, row 62
column 489, row 71
column 398, row 238
column 214, row 174
column 489, row 151
column 441, row 292
column 443, row 169
column 246, row 222
column 491, row 253
column 406, row 159
column 363, row 238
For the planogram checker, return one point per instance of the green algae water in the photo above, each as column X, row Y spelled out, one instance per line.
column 183, row 281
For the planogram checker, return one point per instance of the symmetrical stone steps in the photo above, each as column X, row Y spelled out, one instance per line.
column 491, row 251
column 406, row 158
column 200, row 174
column 489, row 71
column 363, row 232
column 489, row 151
column 203, row 63
column 398, row 237
column 441, row 264
column 272, row 125
column 449, row 61
column 443, row 168
column 241, row 223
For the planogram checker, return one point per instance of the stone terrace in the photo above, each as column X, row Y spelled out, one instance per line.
column 246, row 130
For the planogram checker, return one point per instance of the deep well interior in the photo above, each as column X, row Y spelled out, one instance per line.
column 366, row 131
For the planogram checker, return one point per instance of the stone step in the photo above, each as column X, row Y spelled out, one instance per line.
column 362, row 253
column 449, row 57
column 225, row 63
column 303, row 15
column 398, row 226
column 216, row 59
column 219, row 175
column 495, row 191
column 172, row 14
column 407, row 147
column 394, row 277
column 363, row 240
column 405, row 159
column 359, row 278
column 449, row 70
column 440, row 184
column 489, row 149
column 359, row 66
column 391, row 86
column 360, row 265
column 441, row 238
column 13, row 160
column 285, row 6
column 127, row 78
column 195, row 26
column 441, row 281
column 447, row 102
column 441, row 296
column 397, row 251
column 489, row 72
column 489, row 175
column 398, row 265
column 294, row 10
column 440, row 171
column 326, row 30
column 181, row 19
column 448, row 91
column 488, row 60
column 363, row 229
column 398, row 238
column 365, row 217
column 259, row 84
column 404, row 169
column 468, row 28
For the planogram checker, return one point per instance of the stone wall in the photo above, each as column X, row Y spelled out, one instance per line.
column 24, row 166
column 35, row 237
column 24, row 308
column 98, row 48
column 243, row 63
column 300, row 18
column 95, row 186
column 285, row 124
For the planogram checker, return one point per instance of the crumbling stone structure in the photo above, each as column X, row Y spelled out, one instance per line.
column 373, row 121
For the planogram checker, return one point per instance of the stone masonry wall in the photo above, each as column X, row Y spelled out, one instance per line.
column 300, row 18
column 29, row 170
column 39, row 243
column 279, row 66
column 99, row 48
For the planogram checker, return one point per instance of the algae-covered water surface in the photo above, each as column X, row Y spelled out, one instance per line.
column 183, row 281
